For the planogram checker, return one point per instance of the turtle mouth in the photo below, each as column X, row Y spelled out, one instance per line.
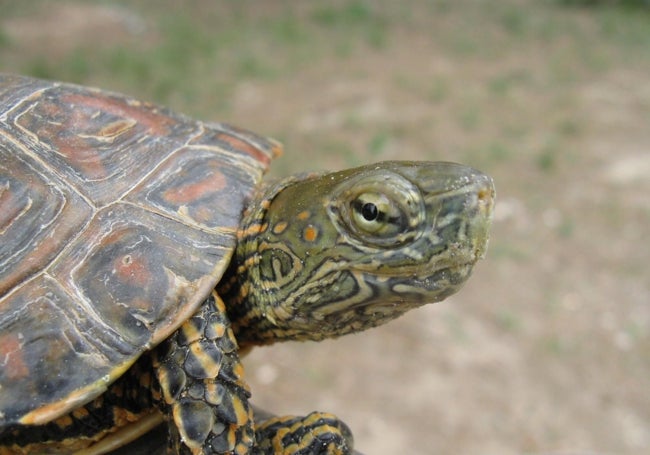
column 415, row 272
column 452, row 244
column 431, row 269
column 420, row 261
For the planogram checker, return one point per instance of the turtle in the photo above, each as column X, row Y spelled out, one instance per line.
column 141, row 255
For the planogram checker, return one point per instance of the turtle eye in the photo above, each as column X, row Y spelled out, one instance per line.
column 376, row 208
column 376, row 214
column 369, row 211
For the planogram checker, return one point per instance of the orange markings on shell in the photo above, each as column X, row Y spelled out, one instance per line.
column 305, row 214
column 73, row 146
column 98, row 165
column 115, row 129
column 142, row 113
column 75, row 139
column 80, row 131
column 193, row 191
column 77, row 150
column 133, row 270
column 11, row 357
column 245, row 147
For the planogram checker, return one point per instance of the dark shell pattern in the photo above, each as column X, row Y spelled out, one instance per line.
column 117, row 218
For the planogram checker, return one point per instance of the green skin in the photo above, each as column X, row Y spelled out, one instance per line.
column 318, row 256
column 321, row 256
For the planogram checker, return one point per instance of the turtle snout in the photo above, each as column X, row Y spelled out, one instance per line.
column 482, row 218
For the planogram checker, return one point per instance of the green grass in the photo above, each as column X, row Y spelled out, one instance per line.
column 569, row 128
column 566, row 228
column 557, row 346
column 378, row 143
column 4, row 39
column 625, row 4
column 212, row 47
column 515, row 20
column 253, row 66
column 289, row 30
column 508, row 320
column 469, row 117
column 504, row 84
column 498, row 152
column 356, row 19
column 438, row 90
column 351, row 13
column 546, row 159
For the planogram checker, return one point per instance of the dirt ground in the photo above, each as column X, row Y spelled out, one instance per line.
column 547, row 348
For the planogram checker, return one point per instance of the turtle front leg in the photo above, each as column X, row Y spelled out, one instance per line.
column 203, row 394
column 317, row 433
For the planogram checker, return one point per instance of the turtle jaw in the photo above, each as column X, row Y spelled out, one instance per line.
column 383, row 282
column 433, row 267
column 454, row 237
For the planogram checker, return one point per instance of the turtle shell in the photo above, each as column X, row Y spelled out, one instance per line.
column 117, row 218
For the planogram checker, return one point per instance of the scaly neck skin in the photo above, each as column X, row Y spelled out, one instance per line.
column 291, row 277
column 265, row 271
column 248, row 302
column 321, row 256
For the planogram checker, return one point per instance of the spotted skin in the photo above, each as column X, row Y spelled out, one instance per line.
column 307, row 257
column 139, row 260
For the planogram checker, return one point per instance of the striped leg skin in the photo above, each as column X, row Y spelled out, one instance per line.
column 201, row 380
column 318, row 433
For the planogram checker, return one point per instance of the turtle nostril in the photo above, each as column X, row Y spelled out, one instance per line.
column 485, row 195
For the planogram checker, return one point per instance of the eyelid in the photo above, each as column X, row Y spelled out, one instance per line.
column 390, row 221
column 402, row 212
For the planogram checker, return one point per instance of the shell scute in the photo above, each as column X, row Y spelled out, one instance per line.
column 48, row 344
column 38, row 216
column 241, row 142
column 200, row 187
column 101, row 143
column 117, row 219
column 135, row 269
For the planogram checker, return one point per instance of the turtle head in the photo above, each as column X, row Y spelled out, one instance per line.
column 334, row 253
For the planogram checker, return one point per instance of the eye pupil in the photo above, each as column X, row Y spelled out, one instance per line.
column 369, row 211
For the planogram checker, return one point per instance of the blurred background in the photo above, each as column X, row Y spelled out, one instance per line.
column 547, row 349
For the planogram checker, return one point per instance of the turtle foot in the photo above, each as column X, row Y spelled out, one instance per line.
column 318, row 433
